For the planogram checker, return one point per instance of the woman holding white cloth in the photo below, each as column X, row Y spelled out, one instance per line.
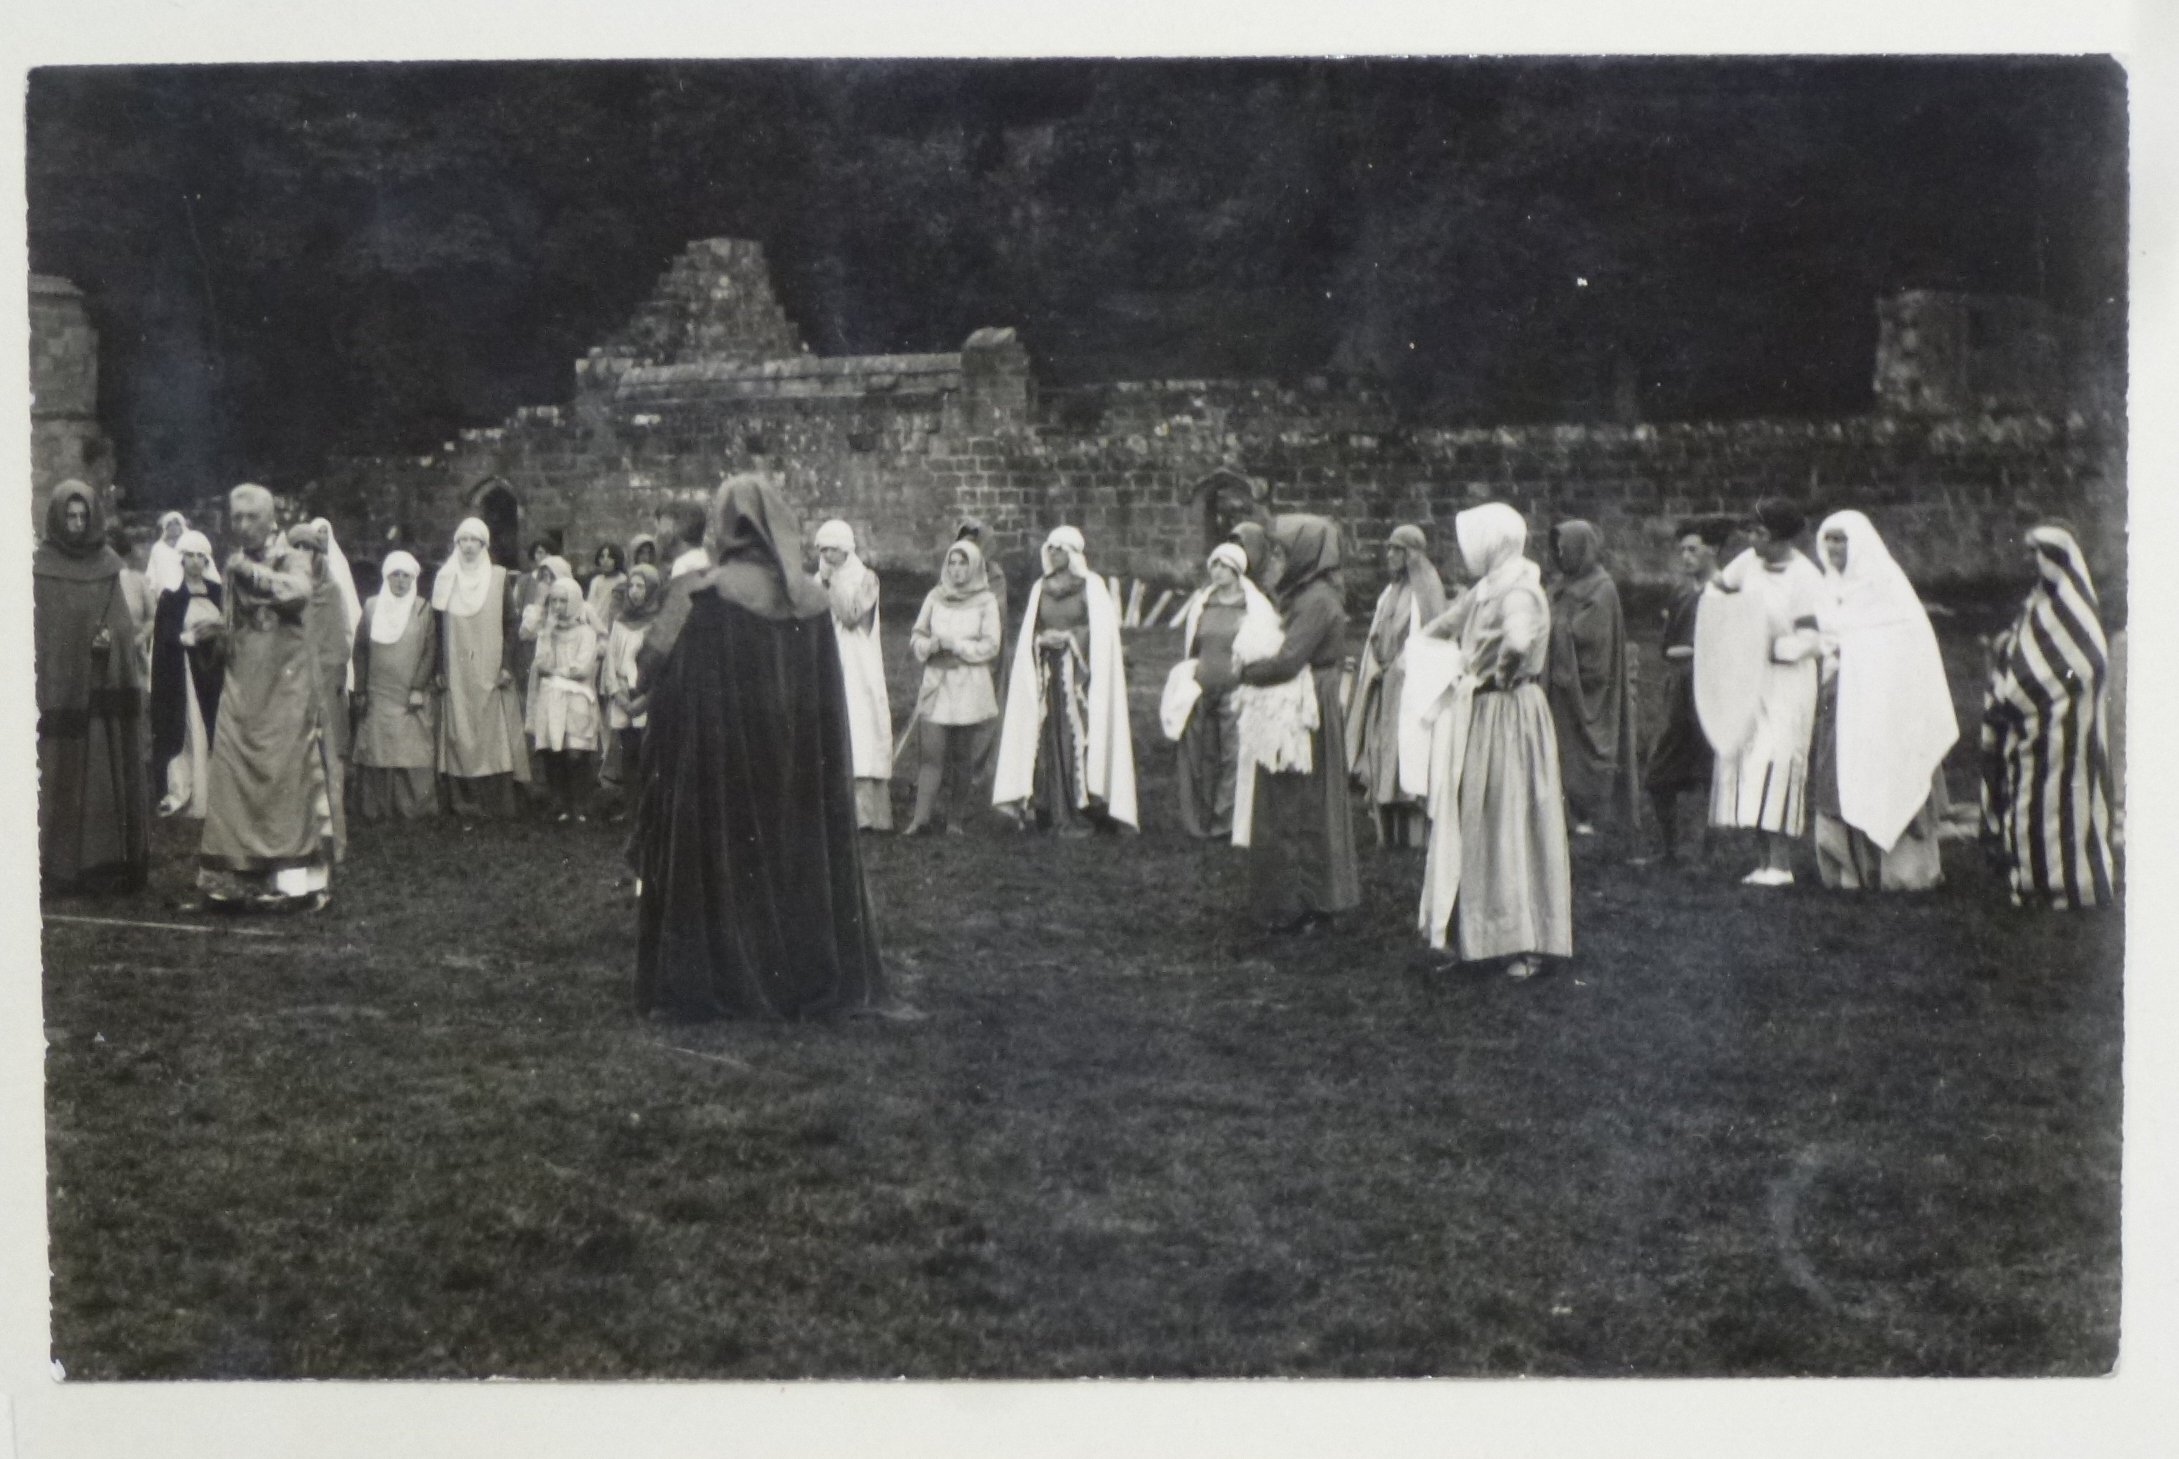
column 1499, row 880
column 853, row 589
column 1201, row 709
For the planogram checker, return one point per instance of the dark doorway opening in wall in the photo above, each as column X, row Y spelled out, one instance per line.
column 494, row 503
column 1225, row 499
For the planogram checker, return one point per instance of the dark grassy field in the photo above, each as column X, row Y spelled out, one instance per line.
column 1743, row 1132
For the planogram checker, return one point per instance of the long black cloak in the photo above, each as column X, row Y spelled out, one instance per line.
column 753, row 902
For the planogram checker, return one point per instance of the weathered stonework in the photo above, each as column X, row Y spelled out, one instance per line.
column 66, row 441
column 1153, row 471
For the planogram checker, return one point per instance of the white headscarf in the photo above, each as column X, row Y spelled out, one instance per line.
column 1895, row 717
column 164, row 569
column 196, row 542
column 390, row 618
column 1491, row 538
column 1069, row 540
column 835, row 533
column 460, row 588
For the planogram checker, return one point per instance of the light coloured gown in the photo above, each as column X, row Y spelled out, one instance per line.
column 1517, row 886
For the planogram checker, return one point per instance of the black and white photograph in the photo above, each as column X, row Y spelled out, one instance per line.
column 1394, row 717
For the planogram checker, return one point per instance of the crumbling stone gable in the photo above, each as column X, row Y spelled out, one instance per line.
column 902, row 446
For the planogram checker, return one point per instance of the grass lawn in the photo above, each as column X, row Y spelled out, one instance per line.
column 421, row 1134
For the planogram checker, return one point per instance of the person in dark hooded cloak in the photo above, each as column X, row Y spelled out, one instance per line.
column 751, row 899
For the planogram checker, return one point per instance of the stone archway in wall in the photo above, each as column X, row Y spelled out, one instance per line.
column 493, row 502
column 1225, row 499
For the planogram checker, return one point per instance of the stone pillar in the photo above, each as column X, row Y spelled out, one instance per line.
column 67, row 442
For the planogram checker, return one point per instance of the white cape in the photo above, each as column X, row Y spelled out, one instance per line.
column 1110, row 752
column 862, row 665
column 1435, row 708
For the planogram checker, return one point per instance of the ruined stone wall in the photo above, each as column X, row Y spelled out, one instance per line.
column 901, row 446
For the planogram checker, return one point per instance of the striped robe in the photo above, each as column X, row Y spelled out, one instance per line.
column 2047, row 789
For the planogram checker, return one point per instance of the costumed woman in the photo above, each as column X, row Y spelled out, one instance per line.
column 1301, row 864
column 623, row 697
column 1200, row 708
column 1413, row 597
column 482, row 753
column 331, row 622
column 956, row 639
column 563, row 717
column 1680, row 759
column 185, row 679
column 1589, row 684
column 1499, row 880
column 1884, row 720
column 1066, row 754
column 2047, row 786
column 397, row 720
column 93, row 805
column 853, row 589
column 751, row 898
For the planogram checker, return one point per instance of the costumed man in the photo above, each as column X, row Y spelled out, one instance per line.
column 93, row 803
column 985, row 759
column 751, row 899
column 1680, row 760
column 270, row 839
column 1589, row 683
column 853, row 590
column 1413, row 597
column 1756, row 651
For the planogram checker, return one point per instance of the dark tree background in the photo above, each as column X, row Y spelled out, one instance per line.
column 289, row 261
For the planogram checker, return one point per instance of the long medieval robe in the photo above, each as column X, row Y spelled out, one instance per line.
column 853, row 589
column 2047, row 786
column 1589, row 684
column 1301, row 861
column 1373, row 712
column 93, row 803
column 396, row 738
column 1500, row 878
column 752, row 901
column 1761, row 783
column 185, row 685
column 269, row 830
column 1066, row 750
column 1884, row 722
column 482, row 750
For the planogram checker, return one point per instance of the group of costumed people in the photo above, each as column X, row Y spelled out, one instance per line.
column 736, row 703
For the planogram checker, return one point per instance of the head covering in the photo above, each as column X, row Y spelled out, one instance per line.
column 390, row 618
column 654, row 595
column 1422, row 580
column 1579, row 548
column 559, row 569
column 564, row 590
column 835, row 533
column 1895, row 718
column 163, row 567
column 197, row 542
column 637, row 543
column 1491, row 538
column 1252, row 539
column 1311, row 545
column 1233, row 555
column 82, row 557
column 1779, row 517
column 757, row 549
column 459, row 587
column 979, row 582
column 1069, row 541
column 307, row 534
column 971, row 528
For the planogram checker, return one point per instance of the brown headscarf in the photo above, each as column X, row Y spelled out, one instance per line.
column 757, row 544
column 82, row 557
column 1311, row 545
